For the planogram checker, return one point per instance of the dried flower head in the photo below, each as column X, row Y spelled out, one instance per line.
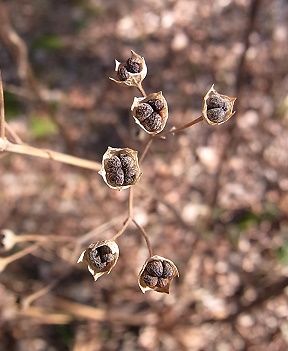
column 217, row 108
column 157, row 274
column 100, row 257
column 120, row 168
column 7, row 239
column 132, row 72
column 151, row 112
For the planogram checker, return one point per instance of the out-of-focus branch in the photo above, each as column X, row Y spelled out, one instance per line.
column 24, row 149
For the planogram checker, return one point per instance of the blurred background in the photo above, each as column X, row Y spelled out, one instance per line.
column 212, row 199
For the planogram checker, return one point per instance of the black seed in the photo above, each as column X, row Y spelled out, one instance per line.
column 168, row 270
column 107, row 258
column 112, row 164
column 153, row 123
column 156, row 104
column 133, row 66
column 215, row 101
column 115, row 178
column 154, row 268
column 103, row 250
column 149, row 280
column 216, row 115
column 162, row 282
column 122, row 73
column 143, row 111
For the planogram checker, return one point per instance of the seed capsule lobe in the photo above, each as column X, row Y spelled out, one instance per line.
column 154, row 268
column 153, row 123
column 216, row 115
column 122, row 73
column 133, row 66
column 143, row 111
column 156, row 104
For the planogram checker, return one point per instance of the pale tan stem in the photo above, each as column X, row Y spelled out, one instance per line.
column 35, row 237
column 146, row 149
column 4, row 261
column 141, row 89
column 122, row 230
column 31, row 298
column 181, row 128
column 2, row 110
column 13, row 134
column 145, row 236
column 25, row 149
column 130, row 202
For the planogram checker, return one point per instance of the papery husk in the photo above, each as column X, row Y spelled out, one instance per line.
column 134, row 79
column 111, row 151
column 163, row 113
column 230, row 101
column 93, row 270
column 142, row 284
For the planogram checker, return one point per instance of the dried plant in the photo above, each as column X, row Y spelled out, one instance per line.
column 120, row 169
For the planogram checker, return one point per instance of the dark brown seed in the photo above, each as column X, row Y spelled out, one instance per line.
column 107, row 258
column 95, row 260
column 156, row 104
column 122, row 73
column 112, row 164
column 105, row 249
column 154, row 268
column 215, row 101
column 143, row 111
column 153, row 123
column 162, row 282
column 127, row 162
column 133, row 66
column 129, row 179
column 168, row 270
column 115, row 178
column 150, row 281
column 216, row 115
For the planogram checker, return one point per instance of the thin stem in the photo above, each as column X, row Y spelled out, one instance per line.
column 141, row 89
column 2, row 110
column 13, row 134
column 35, row 237
column 130, row 202
column 179, row 129
column 25, row 149
column 145, row 236
column 122, row 230
column 146, row 149
column 9, row 259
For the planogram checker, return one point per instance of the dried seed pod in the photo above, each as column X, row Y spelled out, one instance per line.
column 155, row 122
column 133, row 65
column 155, row 268
column 100, row 257
column 217, row 108
column 143, row 111
column 156, row 104
column 7, row 239
column 159, row 268
column 132, row 72
column 120, row 168
column 122, row 73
